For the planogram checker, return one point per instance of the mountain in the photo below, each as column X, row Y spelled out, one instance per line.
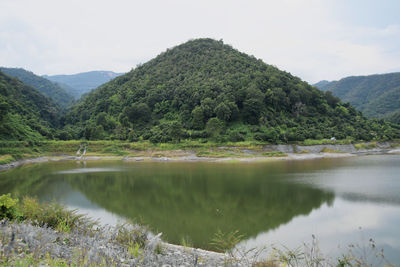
column 25, row 114
column 321, row 84
column 44, row 86
column 207, row 89
column 375, row 95
column 83, row 83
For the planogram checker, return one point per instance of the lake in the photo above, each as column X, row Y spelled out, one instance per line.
column 341, row 201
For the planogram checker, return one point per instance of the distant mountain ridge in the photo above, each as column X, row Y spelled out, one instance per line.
column 375, row 95
column 82, row 83
column 43, row 85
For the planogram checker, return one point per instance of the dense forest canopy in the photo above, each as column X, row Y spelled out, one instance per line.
column 25, row 114
column 206, row 89
column 44, row 86
column 374, row 95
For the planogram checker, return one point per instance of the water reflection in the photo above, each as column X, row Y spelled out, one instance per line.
column 271, row 203
column 191, row 200
column 89, row 170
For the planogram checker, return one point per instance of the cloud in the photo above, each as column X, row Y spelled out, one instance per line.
column 308, row 38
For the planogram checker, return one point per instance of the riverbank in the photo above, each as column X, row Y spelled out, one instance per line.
column 228, row 154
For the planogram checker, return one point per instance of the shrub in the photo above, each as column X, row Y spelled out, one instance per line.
column 235, row 137
column 8, row 207
column 225, row 242
column 53, row 215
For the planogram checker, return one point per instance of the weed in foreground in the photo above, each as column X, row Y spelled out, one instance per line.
column 226, row 242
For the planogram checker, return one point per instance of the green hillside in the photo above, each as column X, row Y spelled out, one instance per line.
column 206, row 89
column 44, row 86
column 25, row 114
column 375, row 95
column 82, row 83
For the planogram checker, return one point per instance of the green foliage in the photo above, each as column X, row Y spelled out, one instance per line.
column 158, row 249
column 215, row 127
column 225, row 242
column 274, row 154
column 366, row 145
column 52, row 215
column 8, row 207
column 204, row 83
column 25, row 114
column 375, row 95
column 134, row 249
column 129, row 235
column 44, row 86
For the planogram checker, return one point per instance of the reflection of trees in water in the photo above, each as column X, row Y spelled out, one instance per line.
column 181, row 200
column 37, row 180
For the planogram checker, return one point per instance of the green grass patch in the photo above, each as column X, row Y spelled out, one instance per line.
column 370, row 145
column 310, row 142
column 5, row 159
column 220, row 154
column 329, row 150
column 305, row 151
column 274, row 154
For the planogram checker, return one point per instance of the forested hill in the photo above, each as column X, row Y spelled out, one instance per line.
column 82, row 83
column 44, row 86
column 206, row 89
column 374, row 95
column 25, row 114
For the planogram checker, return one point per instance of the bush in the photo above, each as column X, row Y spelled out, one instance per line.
column 8, row 207
column 235, row 137
column 52, row 215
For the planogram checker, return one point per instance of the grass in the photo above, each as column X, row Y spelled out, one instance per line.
column 226, row 242
column 309, row 142
column 305, row 151
column 369, row 145
column 15, row 150
column 329, row 150
column 53, row 215
column 273, row 154
column 221, row 154
column 5, row 159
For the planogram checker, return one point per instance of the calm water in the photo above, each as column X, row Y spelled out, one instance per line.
column 270, row 203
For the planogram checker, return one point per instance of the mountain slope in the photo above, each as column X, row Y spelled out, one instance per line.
column 83, row 83
column 206, row 89
column 44, row 86
column 25, row 114
column 374, row 95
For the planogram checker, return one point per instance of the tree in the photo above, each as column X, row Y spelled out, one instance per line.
column 215, row 127
column 175, row 131
column 223, row 112
column 197, row 118
column 138, row 113
column 208, row 107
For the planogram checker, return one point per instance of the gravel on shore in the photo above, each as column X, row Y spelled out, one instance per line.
column 22, row 240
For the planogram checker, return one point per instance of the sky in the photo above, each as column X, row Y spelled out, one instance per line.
column 312, row 39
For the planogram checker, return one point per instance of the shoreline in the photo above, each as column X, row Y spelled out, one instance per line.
column 191, row 156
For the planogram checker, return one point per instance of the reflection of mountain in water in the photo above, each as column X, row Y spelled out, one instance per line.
column 373, row 178
column 196, row 201
column 178, row 199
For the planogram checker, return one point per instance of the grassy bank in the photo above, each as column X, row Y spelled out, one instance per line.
column 15, row 150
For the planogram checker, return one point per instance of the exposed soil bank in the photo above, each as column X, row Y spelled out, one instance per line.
column 293, row 152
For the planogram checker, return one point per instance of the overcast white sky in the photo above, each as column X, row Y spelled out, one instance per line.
column 312, row 39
